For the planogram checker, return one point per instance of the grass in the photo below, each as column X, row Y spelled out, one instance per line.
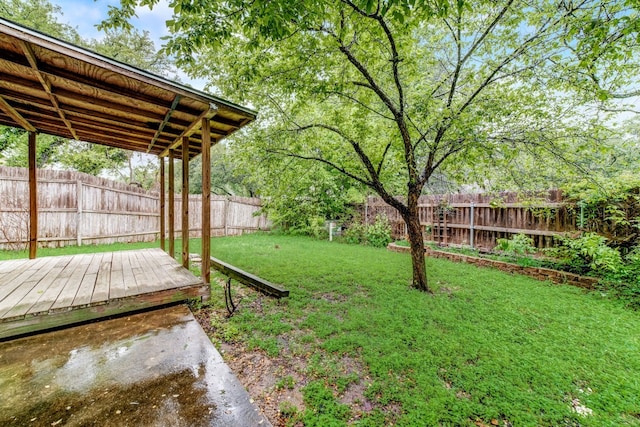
column 486, row 347
column 74, row 250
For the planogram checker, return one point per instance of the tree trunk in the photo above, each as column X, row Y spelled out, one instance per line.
column 416, row 239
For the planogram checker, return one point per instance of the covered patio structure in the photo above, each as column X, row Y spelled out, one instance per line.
column 53, row 87
column 154, row 365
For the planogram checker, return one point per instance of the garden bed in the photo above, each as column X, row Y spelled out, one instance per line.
column 539, row 273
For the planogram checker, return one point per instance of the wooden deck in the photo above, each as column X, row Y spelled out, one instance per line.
column 55, row 291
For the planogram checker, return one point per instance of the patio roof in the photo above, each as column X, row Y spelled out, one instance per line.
column 57, row 88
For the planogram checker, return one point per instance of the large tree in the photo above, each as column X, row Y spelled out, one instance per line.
column 401, row 88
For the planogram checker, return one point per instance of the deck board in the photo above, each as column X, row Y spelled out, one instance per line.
column 34, row 294
column 14, row 278
column 138, row 276
column 116, row 284
column 56, row 291
column 164, row 281
column 20, row 288
column 85, row 289
column 69, row 292
column 101, row 288
column 130, row 286
column 51, row 294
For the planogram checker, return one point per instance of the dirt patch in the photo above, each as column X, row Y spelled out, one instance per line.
column 275, row 383
column 272, row 382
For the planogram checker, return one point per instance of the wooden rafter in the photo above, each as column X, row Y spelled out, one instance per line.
column 11, row 112
column 52, row 87
column 33, row 61
column 194, row 126
column 176, row 100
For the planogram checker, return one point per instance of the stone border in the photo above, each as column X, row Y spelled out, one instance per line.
column 543, row 274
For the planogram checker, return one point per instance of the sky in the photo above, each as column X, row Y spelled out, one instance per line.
column 84, row 15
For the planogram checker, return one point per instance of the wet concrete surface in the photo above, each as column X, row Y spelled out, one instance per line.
column 149, row 369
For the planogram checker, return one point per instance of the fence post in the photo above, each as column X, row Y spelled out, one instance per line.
column 79, row 212
column 471, row 230
column 226, row 214
column 446, row 227
column 366, row 210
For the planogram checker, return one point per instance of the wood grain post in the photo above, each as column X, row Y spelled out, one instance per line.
column 172, row 206
column 472, row 224
column 33, row 197
column 79, row 212
column 185, row 202
column 206, row 200
column 226, row 216
column 162, row 202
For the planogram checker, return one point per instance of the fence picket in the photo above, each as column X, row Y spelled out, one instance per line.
column 76, row 208
column 478, row 220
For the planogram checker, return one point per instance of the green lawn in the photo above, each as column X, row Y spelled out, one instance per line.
column 486, row 347
column 72, row 250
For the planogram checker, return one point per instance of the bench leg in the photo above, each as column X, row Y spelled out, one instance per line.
column 231, row 307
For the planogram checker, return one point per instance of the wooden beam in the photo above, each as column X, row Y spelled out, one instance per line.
column 11, row 112
column 249, row 279
column 176, row 100
column 33, row 61
column 33, row 198
column 206, row 200
column 185, row 202
column 208, row 114
column 162, row 202
column 172, row 206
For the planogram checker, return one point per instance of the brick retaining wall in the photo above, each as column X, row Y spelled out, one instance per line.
column 543, row 274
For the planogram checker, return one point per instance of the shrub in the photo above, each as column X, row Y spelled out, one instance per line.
column 379, row 233
column 588, row 252
column 625, row 283
column 355, row 234
column 518, row 245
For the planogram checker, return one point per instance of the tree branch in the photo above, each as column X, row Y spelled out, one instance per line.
column 371, row 83
column 395, row 57
column 357, row 101
column 340, row 169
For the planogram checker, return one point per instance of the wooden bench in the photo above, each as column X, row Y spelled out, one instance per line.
column 249, row 279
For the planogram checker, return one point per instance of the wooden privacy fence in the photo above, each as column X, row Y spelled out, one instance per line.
column 76, row 208
column 478, row 220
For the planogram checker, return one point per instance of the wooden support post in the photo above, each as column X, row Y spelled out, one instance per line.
column 172, row 206
column 33, row 198
column 185, row 202
column 206, row 201
column 162, row 202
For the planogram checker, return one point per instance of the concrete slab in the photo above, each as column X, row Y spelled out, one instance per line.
column 150, row 369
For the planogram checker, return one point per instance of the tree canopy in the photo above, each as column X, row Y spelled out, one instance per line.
column 392, row 92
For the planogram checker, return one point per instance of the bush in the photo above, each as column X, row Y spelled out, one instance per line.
column 355, row 234
column 379, row 233
column 625, row 283
column 588, row 252
column 518, row 245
